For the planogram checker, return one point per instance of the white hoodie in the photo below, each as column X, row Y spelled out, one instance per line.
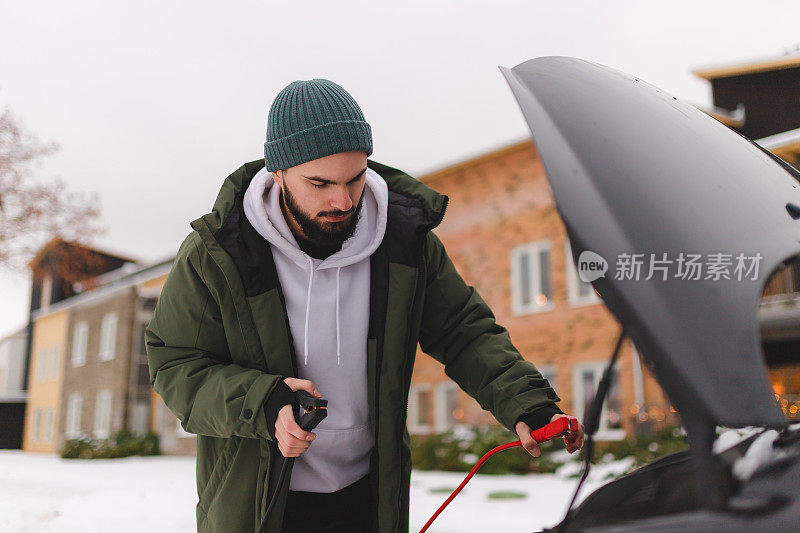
column 327, row 302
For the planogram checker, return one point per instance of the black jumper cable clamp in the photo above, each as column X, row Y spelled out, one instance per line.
column 312, row 410
column 309, row 411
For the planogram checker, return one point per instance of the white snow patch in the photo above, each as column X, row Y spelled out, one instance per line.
column 730, row 437
column 759, row 454
column 42, row 492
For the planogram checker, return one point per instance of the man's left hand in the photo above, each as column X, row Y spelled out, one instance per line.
column 573, row 440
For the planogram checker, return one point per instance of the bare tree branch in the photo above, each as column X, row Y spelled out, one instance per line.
column 33, row 214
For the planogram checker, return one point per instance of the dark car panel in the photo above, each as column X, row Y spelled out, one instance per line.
column 636, row 171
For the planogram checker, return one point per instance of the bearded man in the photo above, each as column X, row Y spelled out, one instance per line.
column 318, row 269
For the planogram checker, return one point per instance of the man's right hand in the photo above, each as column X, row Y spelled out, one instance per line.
column 292, row 439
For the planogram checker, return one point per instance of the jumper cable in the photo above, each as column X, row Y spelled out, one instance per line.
column 556, row 428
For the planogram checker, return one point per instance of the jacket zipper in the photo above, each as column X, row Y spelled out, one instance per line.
column 420, row 265
column 293, row 356
column 412, row 347
column 410, row 353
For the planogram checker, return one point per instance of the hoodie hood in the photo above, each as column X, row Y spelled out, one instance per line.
column 262, row 208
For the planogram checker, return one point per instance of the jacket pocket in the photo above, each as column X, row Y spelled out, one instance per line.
column 218, row 471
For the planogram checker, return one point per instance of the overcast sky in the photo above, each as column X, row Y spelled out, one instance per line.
column 155, row 103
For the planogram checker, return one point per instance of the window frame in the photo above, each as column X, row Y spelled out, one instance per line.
column 574, row 281
column 603, row 431
column 105, row 417
column 72, row 425
column 54, row 362
column 49, row 424
column 42, row 364
column 108, row 337
column 179, row 431
column 412, row 421
column 533, row 250
column 36, row 430
column 552, row 369
column 80, row 334
column 442, row 421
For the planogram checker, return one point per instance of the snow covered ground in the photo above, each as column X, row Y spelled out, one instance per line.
column 46, row 493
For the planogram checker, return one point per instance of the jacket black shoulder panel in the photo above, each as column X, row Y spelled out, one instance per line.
column 250, row 252
column 407, row 222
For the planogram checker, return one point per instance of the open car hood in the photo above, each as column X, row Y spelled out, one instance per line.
column 636, row 171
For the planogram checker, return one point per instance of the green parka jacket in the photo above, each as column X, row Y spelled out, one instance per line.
column 219, row 342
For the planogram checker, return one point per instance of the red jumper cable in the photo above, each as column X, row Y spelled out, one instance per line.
column 557, row 428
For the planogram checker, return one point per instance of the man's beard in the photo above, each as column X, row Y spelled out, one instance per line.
column 325, row 233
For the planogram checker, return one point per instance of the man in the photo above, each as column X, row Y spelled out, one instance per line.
column 317, row 269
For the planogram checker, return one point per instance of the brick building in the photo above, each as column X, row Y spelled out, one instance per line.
column 505, row 237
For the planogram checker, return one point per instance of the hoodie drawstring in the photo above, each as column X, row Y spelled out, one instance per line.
column 308, row 311
column 338, row 344
column 308, row 306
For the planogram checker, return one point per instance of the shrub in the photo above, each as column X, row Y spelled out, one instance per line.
column 506, row 495
column 122, row 444
column 438, row 452
column 645, row 448
column 513, row 461
column 458, row 451
column 77, row 449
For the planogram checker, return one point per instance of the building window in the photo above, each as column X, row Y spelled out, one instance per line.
column 182, row 433
column 448, row 412
column 530, row 278
column 54, row 361
column 141, row 345
column 548, row 372
column 585, row 380
column 102, row 414
column 420, row 408
column 37, row 426
column 108, row 336
column 80, row 336
column 578, row 292
column 49, row 420
column 41, row 365
column 73, row 423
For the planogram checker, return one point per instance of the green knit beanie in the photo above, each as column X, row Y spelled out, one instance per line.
column 310, row 119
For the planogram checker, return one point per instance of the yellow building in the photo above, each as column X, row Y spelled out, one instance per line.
column 45, row 381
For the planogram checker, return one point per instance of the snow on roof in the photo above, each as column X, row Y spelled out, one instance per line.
column 749, row 67
column 129, row 279
column 780, row 140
